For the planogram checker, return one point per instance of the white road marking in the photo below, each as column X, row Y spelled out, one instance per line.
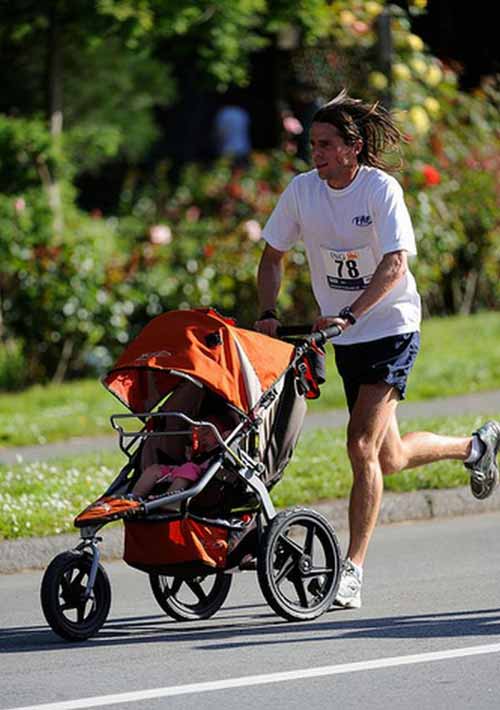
column 283, row 677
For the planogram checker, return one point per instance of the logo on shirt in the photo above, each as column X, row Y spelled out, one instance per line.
column 362, row 220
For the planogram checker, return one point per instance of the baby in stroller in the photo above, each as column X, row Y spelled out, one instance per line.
column 173, row 478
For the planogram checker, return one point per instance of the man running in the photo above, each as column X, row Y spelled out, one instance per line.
column 351, row 215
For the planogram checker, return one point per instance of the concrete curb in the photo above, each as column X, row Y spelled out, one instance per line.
column 36, row 553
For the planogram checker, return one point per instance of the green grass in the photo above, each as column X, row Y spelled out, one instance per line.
column 43, row 498
column 458, row 355
column 48, row 413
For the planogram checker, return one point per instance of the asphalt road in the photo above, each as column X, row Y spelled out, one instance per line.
column 428, row 636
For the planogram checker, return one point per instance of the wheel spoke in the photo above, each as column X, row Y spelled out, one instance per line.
column 197, row 589
column 300, row 589
column 317, row 571
column 292, row 546
column 77, row 580
column 176, row 585
column 80, row 611
column 309, row 543
column 66, row 585
column 67, row 607
column 287, row 566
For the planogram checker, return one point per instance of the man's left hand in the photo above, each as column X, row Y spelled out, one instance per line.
column 326, row 321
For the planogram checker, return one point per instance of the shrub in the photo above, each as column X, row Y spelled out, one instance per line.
column 12, row 366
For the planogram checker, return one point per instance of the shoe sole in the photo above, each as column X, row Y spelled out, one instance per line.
column 491, row 481
column 489, row 486
column 353, row 604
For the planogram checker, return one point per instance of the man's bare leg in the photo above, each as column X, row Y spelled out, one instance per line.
column 372, row 414
column 376, row 448
column 419, row 448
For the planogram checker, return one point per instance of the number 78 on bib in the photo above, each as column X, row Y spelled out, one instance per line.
column 350, row 270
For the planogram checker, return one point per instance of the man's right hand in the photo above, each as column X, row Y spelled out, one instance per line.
column 267, row 326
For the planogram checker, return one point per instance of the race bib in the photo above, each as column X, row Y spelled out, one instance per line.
column 349, row 270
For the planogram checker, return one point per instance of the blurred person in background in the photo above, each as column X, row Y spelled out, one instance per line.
column 232, row 130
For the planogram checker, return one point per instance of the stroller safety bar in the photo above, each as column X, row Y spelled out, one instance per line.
column 249, row 473
column 187, row 493
column 146, row 434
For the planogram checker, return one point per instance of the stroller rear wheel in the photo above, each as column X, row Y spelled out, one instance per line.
column 70, row 612
column 299, row 566
column 191, row 598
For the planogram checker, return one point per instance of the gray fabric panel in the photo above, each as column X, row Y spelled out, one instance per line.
column 281, row 429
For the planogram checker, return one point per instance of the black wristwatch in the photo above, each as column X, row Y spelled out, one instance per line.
column 348, row 315
column 270, row 313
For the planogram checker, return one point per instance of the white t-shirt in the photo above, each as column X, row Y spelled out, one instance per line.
column 346, row 233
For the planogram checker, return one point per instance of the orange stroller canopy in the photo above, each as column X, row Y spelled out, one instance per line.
column 237, row 364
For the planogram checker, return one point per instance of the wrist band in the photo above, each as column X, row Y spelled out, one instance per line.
column 270, row 313
column 348, row 315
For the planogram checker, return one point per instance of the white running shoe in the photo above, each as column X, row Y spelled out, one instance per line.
column 349, row 591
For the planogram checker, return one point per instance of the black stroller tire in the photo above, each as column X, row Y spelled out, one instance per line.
column 62, row 593
column 299, row 580
column 205, row 600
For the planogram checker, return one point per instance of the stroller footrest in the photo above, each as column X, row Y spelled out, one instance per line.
column 108, row 508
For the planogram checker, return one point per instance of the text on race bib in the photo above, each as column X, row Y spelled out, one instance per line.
column 350, row 270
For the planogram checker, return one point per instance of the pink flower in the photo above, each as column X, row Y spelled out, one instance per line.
column 20, row 204
column 160, row 234
column 360, row 27
column 253, row 230
column 292, row 125
column 193, row 213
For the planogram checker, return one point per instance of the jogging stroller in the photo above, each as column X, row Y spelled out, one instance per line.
column 183, row 367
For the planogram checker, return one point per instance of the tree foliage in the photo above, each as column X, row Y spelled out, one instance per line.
column 74, row 291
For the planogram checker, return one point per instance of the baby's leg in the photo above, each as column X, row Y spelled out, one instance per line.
column 148, row 479
column 179, row 484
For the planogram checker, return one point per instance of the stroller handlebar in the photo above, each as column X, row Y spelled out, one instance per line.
column 319, row 337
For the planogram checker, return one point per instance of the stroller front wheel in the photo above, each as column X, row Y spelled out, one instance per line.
column 70, row 611
column 191, row 598
column 299, row 566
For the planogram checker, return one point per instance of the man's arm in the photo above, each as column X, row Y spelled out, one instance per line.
column 269, row 277
column 387, row 275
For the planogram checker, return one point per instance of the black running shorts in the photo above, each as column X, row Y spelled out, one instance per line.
column 386, row 360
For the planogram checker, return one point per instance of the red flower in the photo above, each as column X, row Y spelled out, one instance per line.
column 208, row 250
column 431, row 175
column 234, row 190
column 263, row 186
